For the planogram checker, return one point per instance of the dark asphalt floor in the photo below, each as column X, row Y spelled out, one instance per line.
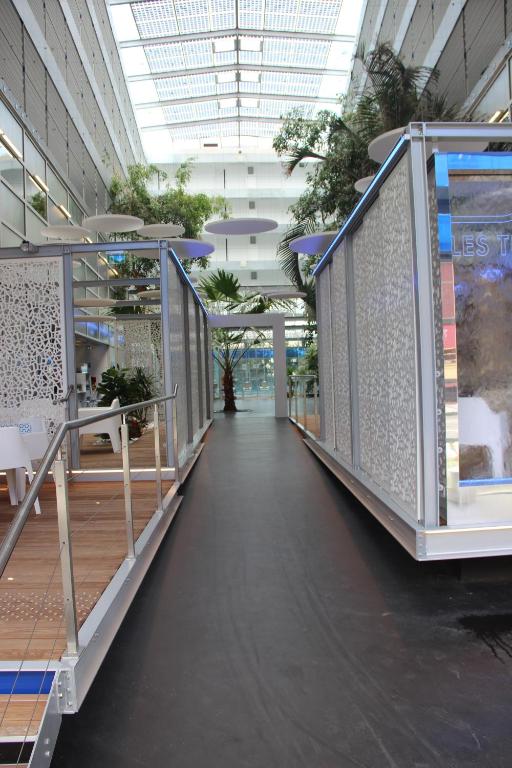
column 281, row 627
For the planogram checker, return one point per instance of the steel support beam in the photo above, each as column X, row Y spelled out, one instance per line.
column 290, row 69
column 237, row 32
column 185, row 123
column 234, row 95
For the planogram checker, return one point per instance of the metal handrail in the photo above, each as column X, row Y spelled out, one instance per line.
column 20, row 518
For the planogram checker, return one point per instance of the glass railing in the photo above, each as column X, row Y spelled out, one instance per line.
column 303, row 402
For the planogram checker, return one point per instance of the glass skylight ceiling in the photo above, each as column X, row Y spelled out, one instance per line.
column 224, row 72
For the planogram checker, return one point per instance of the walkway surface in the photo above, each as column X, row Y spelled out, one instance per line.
column 281, row 627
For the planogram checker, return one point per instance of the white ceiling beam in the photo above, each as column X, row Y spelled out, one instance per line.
column 210, row 122
column 235, row 95
column 291, row 69
column 236, row 32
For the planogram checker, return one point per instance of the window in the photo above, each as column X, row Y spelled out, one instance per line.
column 253, row 239
column 13, row 209
column 36, row 196
column 250, row 170
column 12, row 171
column 252, row 205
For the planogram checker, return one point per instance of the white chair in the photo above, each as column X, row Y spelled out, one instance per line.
column 36, row 441
column 479, row 425
column 110, row 426
column 13, row 456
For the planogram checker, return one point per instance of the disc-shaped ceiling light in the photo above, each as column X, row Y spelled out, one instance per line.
column 65, row 232
column 379, row 148
column 113, row 222
column 318, row 242
column 190, row 249
column 252, row 226
column 284, row 294
column 156, row 231
column 362, row 185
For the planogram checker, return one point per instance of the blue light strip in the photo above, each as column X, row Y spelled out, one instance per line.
column 486, row 481
column 381, row 174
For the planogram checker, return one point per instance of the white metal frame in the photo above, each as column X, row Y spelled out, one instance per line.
column 274, row 321
column 427, row 539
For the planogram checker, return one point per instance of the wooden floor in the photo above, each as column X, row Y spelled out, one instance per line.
column 31, row 612
column 97, row 455
column 31, row 600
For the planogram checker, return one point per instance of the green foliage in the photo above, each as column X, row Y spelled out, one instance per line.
column 114, row 383
column 133, row 196
column 130, row 385
column 394, row 95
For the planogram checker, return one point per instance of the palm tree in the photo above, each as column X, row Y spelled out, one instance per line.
column 223, row 293
column 395, row 94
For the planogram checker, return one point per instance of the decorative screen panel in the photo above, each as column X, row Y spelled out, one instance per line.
column 325, row 355
column 143, row 348
column 194, row 383
column 177, row 329
column 385, row 329
column 340, row 356
column 32, row 341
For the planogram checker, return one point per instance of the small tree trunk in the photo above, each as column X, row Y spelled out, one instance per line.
column 229, row 391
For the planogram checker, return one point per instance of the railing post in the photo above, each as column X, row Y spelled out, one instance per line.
column 66, row 555
column 290, row 390
column 315, row 399
column 125, row 445
column 305, row 396
column 297, row 401
column 175, row 442
column 158, row 460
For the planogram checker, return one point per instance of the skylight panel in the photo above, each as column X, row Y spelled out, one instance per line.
column 249, row 87
column 150, row 116
column 134, row 61
column 186, row 85
column 143, row 91
column 155, row 18
column 250, row 76
column 291, row 83
column 198, row 53
column 226, row 77
column 250, row 57
column 221, row 44
column 250, row 43
column 228, row 103
column 290, row 51
column 123, row 22
column 225, row 57
column 251, row 13
column 178, row 113
column 192, row 15
column 162, row 58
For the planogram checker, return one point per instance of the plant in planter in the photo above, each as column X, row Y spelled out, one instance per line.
column 130, row 386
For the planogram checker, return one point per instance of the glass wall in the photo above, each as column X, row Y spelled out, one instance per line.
column 475, row 227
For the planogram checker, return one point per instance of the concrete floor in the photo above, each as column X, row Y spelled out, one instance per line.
column 281, row 627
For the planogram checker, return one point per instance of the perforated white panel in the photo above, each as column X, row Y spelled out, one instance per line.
column 340, row 356
column 31, row 340
column 386, row 373
column 325, row 355
column 143, row 348
column 177, row 330
column 192, row 336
